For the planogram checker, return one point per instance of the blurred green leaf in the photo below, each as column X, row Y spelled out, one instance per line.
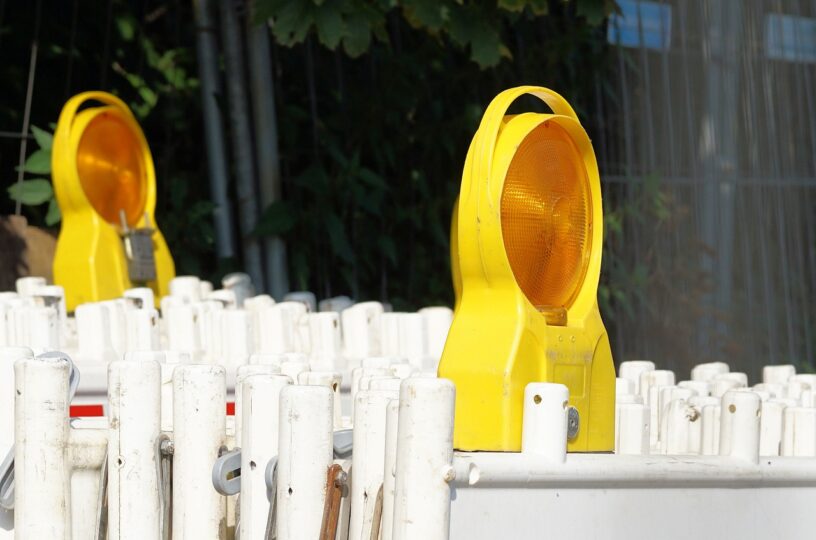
column 337, row 236
column 54, row 215
column 38, row 163
column 43, row 138
column 31, row 192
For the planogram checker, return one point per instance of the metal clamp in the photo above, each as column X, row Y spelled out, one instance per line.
column 7, row 467
column 226, row 473
column 343, row 443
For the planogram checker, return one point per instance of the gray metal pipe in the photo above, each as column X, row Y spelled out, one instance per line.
column 266, row 149
column 213, row 130
column 241, row 143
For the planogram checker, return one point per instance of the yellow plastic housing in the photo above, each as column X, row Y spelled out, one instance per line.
column 101, row 164
column 529, row 234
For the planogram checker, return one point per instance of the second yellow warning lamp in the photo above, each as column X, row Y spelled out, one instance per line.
column 528, row 251
column 106, row 189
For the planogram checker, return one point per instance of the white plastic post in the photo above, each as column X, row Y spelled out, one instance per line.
column 118, row 327
column 368, row 459
column 142, row 329
column 140, row 298
column 707, row 372
column 740, row 378
column 770, row 427
column 390, row 334
column 719, row 387
column 306, row 452
column 739, row 425
column 424, row 460
column 778, row 374
column 94, row 333
column 702, row 388
column 389, row 468
column 238, row 335
column 42, row 472
column 624, row 387
column 199, row 421
column 182, row 334
column 134, row 390
column 331, row 380
column 44, row 328
column 168, row 365
column 325, row 340
column 412, row 340
column 361, row 329
column 27, row 286
column 710, row 445
column 680, row 421
column 799, row 432
column 293, row 368
column 437, row 325
column 261, row 396
column 241, row 375
column 633, row 434
column 696, row 428
column 544, row 424
column 278, row 327
column 8, row 356
column 186, row 288
column 633, row 368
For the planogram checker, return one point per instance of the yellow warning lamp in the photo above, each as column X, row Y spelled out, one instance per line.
column 106, row 189
column 529, row 233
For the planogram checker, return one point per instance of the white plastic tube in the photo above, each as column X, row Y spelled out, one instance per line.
column 424, row 460
column 8, row 356
column 770, row 427
column 707, row 372
column 361, row 329
column 368, row 459
column 242, row 374
column 778, row 374
column 171, row 360
column 306, row 452
column 799, row 432
column 134, row 390
column 739, row 425
column 42, row 471
column 633, row 434
column 142, row 329
column 199, row 421
column 389, row 468
column 331, row 380
column 438, row 321
column 710, row 444
column 633, row 368
column 544, row 424
column 261, row 399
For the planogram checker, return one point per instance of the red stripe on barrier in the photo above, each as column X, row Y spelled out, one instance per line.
column 87, row 410
column 230, row 408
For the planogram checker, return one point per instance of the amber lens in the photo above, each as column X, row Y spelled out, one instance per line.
column 546, row 217
column 111, row 170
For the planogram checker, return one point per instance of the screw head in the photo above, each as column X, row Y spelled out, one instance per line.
column 573, row 423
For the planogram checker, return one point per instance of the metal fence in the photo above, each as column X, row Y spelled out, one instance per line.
column 706, row 137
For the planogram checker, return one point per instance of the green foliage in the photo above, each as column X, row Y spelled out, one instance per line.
column 472, row 26
column 34, row 192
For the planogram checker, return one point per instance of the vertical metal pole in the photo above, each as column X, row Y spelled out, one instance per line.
column 266, row 149
column 213, row 130
column 241, row 134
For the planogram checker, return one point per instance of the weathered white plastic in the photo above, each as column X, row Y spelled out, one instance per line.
column 331, row 380
column 368, row 459
column 424, row 460
column 438, row 320
column 544, row 424
column 739, row 425
column 261, row 396
column 8, row 356
column 94, row 333
column 199, row 402
column 633, row 433
column 171, row 360
column 242, row 374
column 325, row 342
column 306, row 451
column 389, row 468
column 632, row 370
column 770, row 428
column 27, row 286
column 361, row 329
column 280, row 327
column 778, row 374
column 142, row 329
column 133, row 465
column 42, row 471
column 140, row 298
column 187, row 289
column 708, row 371
column 799, row 432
